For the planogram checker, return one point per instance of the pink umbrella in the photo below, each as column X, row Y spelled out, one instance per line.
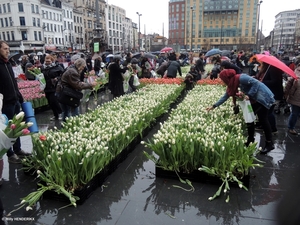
column 273, row 61
column 225, row 58
column 166, row 49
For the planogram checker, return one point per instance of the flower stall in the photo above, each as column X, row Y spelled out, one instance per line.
column 31, row 92
column 68, row 159
column 193, row 139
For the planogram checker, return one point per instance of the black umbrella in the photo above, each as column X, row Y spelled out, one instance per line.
column 15, row 56
column 134, row 61
column 149, row 56
column 136, row 55
column 117, row 57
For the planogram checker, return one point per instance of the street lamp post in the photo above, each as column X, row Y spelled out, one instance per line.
column 192, row 10
column 139, row 40
column 257, row 42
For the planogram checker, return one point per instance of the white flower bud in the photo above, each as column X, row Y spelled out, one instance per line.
column 29, row 124
column 20, row 115
column 28, row 208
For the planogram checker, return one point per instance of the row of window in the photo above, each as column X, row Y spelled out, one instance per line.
column 6, row 22
column 5, row 8
column 51, row 16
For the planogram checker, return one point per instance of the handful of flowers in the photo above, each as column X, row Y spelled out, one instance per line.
column 14, row 129
column 90, row 73
column 39, row 76
column 240, row 96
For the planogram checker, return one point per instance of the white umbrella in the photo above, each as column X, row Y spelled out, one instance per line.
column 110, row 55
column 39, row 53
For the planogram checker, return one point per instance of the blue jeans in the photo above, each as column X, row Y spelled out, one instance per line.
column 69, row 111
column 293, row 116
column 10, row 110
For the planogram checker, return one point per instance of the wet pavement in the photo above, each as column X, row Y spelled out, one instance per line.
column 134, row 195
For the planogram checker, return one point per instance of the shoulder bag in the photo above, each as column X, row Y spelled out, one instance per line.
column 69, row 96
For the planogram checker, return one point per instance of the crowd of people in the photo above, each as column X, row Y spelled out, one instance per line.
column 262, row 83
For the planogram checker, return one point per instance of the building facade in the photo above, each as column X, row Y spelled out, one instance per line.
column 21, row 25
column 115, row 27
column 177, row 30
column 226, row 24
column 285, row 30
column 52, row 26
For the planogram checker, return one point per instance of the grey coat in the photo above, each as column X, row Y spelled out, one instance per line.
column 292, row 89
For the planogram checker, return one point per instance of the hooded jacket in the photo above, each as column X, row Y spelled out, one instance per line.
column 8, row 85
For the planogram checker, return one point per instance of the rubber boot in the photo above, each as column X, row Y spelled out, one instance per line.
column 269, row 146
column 251, row 130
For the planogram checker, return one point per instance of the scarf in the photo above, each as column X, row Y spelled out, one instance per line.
column 4, row 59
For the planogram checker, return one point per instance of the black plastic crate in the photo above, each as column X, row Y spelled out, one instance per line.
column 198, row 176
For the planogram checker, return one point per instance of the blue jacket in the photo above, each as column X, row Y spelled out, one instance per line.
column 255, row 89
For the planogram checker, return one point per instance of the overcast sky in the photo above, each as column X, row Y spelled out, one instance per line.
column 155, row 13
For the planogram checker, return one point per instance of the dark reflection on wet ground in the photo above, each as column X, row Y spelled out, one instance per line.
column 133, row 194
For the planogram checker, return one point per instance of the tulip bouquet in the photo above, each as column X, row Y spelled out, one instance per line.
column 211, row 141
column 70, row 157
column 100, row 83
column 39, row 76
column 14, row 129
column 240, row 96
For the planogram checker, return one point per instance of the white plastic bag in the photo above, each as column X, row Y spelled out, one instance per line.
column 248, row 113
column 3, row 118
column 101, row 73
column 136, row 81
column 125, row 85
column 40, row 77
column 153, row 73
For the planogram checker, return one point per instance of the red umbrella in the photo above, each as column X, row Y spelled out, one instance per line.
column 273, row 61
column 166, row 49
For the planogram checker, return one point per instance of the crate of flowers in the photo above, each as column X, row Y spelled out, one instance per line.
column 68, row 159
column 193, row 141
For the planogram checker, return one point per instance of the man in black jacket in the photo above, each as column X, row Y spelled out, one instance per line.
column 200, row 63
column 11, row 99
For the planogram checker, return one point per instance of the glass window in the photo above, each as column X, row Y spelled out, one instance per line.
column 3, row 34
column 33, row 22
column 2, row 24
column 11, row 23
column 20, row 6
column 8, row 7
column 35, row 36
column 4, row 8
column 37, row 9
column 6, row 22
column 0, row 11
column 50, row 15
column 8, row 35
column 24, row 35
column 12, row 36
column 32, row 8
column 22, row 22
column 38, row 22
column 40, row 35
